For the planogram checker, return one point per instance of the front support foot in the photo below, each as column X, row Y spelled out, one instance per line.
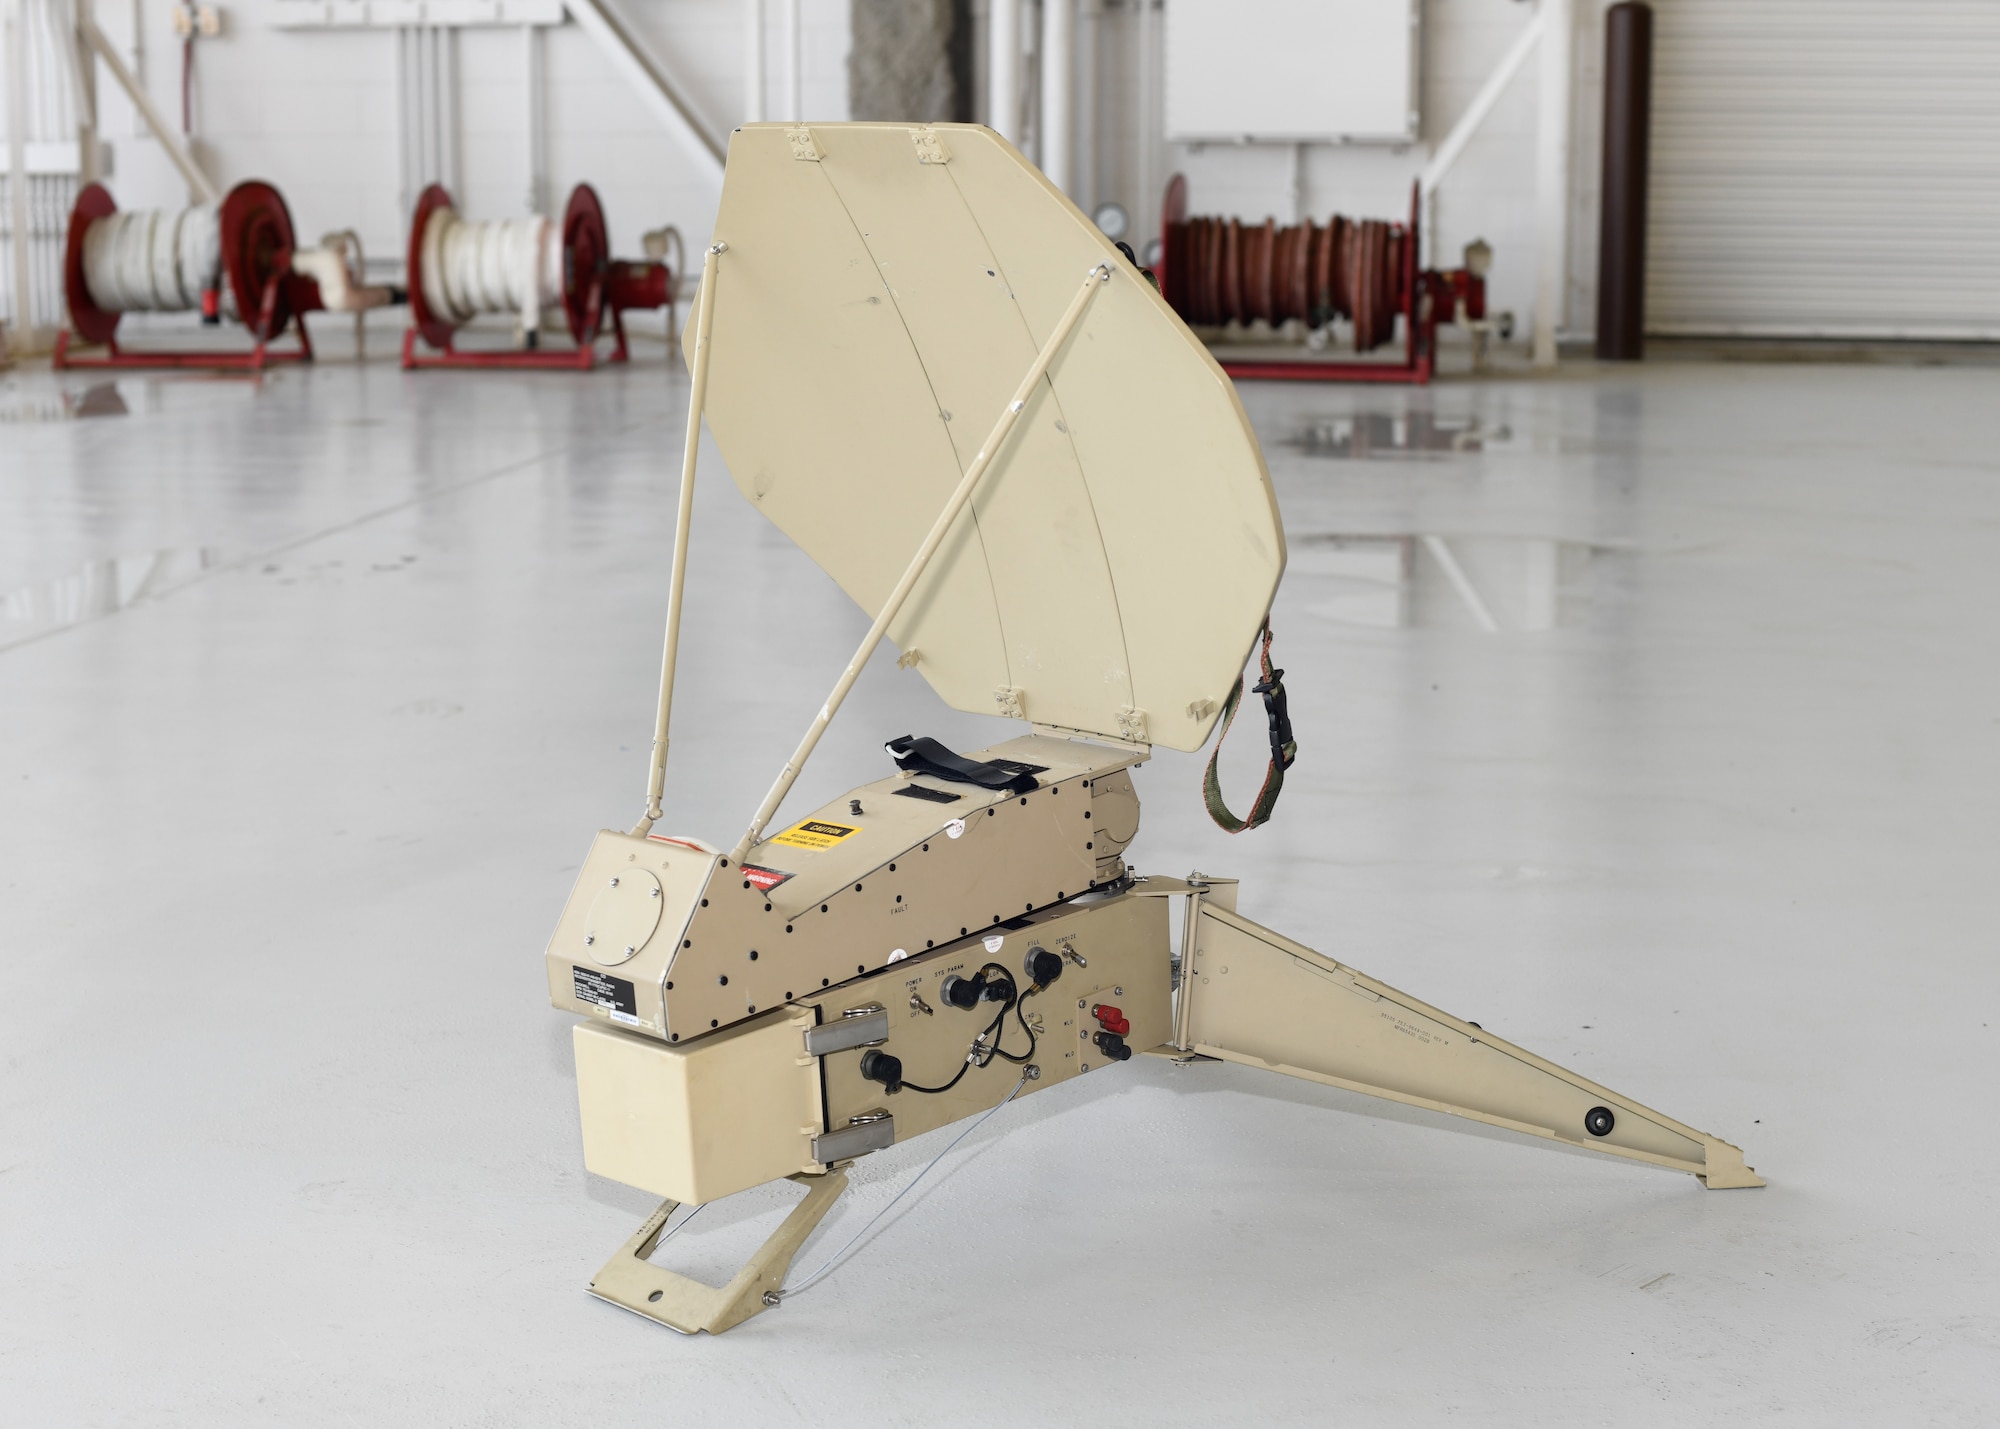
column 631, row 1282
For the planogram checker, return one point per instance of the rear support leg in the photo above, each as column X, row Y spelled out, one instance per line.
column 1249, row 995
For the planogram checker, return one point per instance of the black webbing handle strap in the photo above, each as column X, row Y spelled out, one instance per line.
column 1284, row 749
column 920, row 755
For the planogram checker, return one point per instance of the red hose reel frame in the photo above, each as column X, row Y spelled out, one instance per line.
column 257, row 246
column 594, row 286
column 1421, row 294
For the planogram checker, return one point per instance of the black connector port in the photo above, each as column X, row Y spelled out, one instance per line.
column 1112, row 1046
column 986, row 985
column 1042, row 966
column 880, row 1066
column 962, row 992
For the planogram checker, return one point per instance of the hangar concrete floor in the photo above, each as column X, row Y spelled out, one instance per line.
column 313, row 691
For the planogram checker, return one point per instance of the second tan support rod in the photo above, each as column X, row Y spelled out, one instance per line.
column 704, row 323
column 1093, row 280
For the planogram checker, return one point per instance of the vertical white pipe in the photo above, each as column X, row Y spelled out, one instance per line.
column 753, row 61
column 420, row 124
column 1552, row 177
column 534, row 57
column 427, row 104
column 1059, row 91
column 795, row 98
column 90, row 156
column 448, row 138
column 1088, row 175
column 1146, row 208
column 1003, row 69
column 17, row 169
column 403, row 125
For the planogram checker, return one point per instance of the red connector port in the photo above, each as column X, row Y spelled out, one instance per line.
column 1111, row 1019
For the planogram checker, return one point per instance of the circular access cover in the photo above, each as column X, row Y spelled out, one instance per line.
column 623, row 916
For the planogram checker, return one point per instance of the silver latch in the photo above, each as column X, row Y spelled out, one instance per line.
column 858, row 1027
column 865, row 1131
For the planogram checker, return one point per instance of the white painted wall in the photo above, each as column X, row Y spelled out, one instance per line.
column 315, row 112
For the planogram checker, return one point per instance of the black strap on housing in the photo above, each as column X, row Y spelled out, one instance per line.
column 1284, row 749
column 926, row 756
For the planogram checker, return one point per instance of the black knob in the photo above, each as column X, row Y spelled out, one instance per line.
column 999, row 987
column 1113, row 1046
column 1042, row 966
column 880, row 1066
column 1598, row 1121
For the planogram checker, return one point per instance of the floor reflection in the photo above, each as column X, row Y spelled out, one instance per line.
column 1378, row 435
column 99, row 399
column 96, row 588
column 1493, row 584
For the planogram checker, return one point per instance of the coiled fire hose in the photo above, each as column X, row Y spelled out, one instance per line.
column 156, row 260
column 1242, row 273
column 510, row 265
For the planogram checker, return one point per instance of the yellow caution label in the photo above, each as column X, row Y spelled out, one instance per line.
column 815, row 833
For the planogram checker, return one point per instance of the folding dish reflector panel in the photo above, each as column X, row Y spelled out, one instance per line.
column 874, row 312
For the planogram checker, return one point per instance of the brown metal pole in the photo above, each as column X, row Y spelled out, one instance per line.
column 1621, row 251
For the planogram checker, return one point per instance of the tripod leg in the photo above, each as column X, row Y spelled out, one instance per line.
column 1257, row 998
column 630, row 1281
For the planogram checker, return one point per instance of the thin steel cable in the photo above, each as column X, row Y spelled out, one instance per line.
column 670, row 1233
column 828, row 1264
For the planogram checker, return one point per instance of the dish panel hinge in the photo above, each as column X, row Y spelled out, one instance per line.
column 930, row 146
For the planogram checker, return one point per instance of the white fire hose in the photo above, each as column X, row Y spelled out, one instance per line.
column 511, row 265
column 163, row 261
column 153, row 260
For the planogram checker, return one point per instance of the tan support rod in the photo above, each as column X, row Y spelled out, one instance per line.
column 704, row 323
column 1092, row 281
column 201, row 184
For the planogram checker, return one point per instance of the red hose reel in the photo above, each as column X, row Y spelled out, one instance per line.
column 257, row 247
column 1222, row 272
column 595, row 287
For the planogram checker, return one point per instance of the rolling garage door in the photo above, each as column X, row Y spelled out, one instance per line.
column 1826, row 168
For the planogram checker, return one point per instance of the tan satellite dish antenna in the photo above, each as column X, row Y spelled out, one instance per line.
column 883, row 293
column 931, row 370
